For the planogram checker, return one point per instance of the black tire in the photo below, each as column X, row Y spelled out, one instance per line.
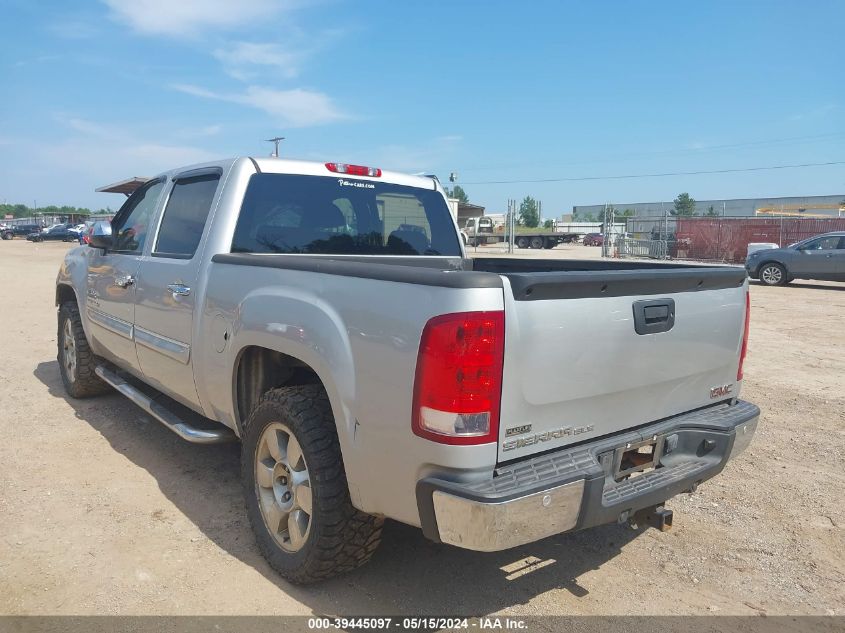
column 79, row 378
column 536, row 242
column 522, row 242
column 340, row 538
column 772, row 274
column 550, row 243
column 7, row 236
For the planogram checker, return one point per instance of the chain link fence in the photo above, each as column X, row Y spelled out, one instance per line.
column 719, row 239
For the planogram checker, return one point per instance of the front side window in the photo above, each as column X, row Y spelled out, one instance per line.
column 285, row 213
column 828, row 243
column 185, row 215
column 132, row 223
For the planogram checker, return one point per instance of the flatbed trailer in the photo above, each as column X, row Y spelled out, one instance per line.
column 539, row 239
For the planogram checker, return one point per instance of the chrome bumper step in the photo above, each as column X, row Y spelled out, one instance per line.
column 168, row 418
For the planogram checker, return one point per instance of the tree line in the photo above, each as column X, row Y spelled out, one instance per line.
column 23, row 211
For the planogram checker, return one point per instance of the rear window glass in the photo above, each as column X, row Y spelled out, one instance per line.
column 284, row 213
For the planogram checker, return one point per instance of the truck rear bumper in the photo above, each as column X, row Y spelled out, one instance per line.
column 579, row 487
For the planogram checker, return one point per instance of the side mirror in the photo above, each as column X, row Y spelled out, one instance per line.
column 100, row 236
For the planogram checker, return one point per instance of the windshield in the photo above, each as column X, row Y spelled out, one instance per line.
column 284, row 213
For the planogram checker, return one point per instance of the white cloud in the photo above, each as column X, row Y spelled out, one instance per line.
column 238, row 59
column 294, row 108
column 179, row 18
column 112, row 151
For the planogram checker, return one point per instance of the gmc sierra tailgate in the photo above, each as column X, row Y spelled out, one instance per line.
column 589, row 353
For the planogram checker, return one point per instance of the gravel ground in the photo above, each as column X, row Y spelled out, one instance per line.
column 105, row 511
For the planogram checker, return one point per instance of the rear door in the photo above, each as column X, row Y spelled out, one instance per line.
column 839, row 256
column 586, row 365
column 113, row 275
column 167, row 290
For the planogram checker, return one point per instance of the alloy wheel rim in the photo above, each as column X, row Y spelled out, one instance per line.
column 771, row 275
column 69, row 354
column 283, row 487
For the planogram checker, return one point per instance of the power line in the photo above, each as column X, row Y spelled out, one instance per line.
column 668, row 152
column 659, row 175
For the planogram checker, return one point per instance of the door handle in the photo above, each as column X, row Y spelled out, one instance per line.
column 124, row 281
column 179, row 289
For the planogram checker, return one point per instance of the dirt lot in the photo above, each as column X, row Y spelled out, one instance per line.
column 104, row 511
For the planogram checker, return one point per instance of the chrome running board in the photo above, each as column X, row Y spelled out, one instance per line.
column 164, row 415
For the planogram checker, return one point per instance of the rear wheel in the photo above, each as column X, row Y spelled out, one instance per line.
column 522, row 242
column 536, row 242
column 7, row 236
column 773, row 274
column 296, row 491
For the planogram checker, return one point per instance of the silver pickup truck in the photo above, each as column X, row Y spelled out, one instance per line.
column 326, row 316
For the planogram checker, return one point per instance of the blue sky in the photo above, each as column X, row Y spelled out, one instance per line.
column 96, row 91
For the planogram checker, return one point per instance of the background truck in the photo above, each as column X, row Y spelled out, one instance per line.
column 325, row 315
column 482, row 230
column 19, row 230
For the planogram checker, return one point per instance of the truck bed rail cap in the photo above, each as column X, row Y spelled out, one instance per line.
column 384, row 271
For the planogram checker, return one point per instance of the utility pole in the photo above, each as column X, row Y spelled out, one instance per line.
column 275, row 140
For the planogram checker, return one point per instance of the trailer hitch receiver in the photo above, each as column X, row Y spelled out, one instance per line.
column 656, row 517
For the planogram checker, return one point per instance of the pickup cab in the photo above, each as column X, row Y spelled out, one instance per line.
column 326, row 316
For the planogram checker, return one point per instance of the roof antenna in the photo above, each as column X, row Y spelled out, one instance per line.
column 275, row 140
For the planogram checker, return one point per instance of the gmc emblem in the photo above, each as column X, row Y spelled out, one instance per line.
column 721, row 392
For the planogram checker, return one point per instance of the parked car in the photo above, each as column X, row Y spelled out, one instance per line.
column 593, row 239
column 19, row 230
column 81, row 231
column 820, row 257
column 327, row 316
column 56, row 232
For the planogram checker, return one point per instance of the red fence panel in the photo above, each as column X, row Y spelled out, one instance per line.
column 727, row 239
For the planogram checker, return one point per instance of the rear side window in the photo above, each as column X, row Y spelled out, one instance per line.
column 185, row 216
column 284, row 213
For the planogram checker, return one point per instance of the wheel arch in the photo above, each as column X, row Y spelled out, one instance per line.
column 260, row 367
column 765, row 263
column 65, row 293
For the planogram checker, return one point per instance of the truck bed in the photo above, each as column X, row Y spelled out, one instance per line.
column 579, row 362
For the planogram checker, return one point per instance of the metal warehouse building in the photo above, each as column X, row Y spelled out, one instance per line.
column 833, row 205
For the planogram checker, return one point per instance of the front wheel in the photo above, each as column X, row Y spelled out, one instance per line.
column 297, row 496
column 76, row 360
column 773, row 274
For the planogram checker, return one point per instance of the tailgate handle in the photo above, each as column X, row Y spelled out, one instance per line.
column 652, row 316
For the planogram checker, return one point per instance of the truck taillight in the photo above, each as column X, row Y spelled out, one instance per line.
column 458, row 386
column 354, row 170
column 744, row 349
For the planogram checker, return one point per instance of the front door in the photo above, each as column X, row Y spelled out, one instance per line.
column 817, row 259
column 113, row 275
column 167, row 289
